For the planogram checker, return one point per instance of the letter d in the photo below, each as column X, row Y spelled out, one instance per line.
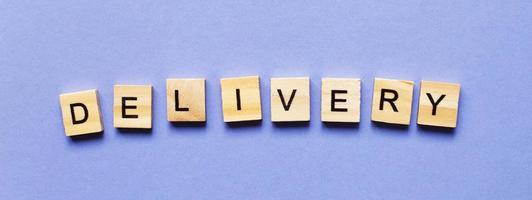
column 85, row 113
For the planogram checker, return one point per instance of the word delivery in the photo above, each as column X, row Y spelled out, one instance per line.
column 241, row 101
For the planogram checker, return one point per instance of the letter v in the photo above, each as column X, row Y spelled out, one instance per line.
column 285, row 105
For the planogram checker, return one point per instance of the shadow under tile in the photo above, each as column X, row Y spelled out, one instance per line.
column 341, row 125
column 244, row 124
column 135, row 131
column 294, row 124
column 87, row 137
column 435, row 130
column 399, row 127
column 188, row 124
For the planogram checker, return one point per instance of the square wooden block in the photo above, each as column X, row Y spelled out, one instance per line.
column 81, row 112
column 132, row 106
column 438, row 104
column 185, row 100
column 340, row 100
column 241, row 99
column 392, row 101
column 290, row 99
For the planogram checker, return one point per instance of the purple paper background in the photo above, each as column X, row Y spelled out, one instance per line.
column 52, row 47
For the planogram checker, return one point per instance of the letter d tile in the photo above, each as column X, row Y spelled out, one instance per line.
column 81, row 112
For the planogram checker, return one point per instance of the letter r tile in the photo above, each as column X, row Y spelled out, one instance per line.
column 81, row 112
column 392, row 101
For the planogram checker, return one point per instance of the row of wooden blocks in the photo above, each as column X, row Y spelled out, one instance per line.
column 241, row 101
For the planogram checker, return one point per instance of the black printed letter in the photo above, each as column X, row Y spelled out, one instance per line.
column 238, row 106
column 334, row 100
column 177, row 108
column 286, row 106
column 395, row 97
column 85, row 113
column 435, row 104
column 124, row 107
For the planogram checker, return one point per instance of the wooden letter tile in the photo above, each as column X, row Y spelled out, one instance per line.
column 132, row 106
column 81, row 112
column 340, row 100
column 290, row 99
column 392, row 101
column 241, row 99
column 185, row 100
column 438, row 104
